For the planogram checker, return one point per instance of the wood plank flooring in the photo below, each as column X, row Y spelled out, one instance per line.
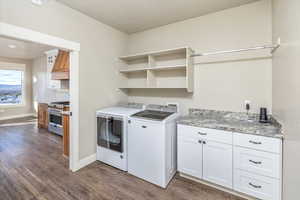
column 32, row 168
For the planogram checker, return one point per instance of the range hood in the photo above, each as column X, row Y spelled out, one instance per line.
column 61, row 67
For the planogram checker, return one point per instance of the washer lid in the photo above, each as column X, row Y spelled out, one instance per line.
column 153, row 115
column 123, row 111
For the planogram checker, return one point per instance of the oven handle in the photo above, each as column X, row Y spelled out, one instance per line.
column 55, row 125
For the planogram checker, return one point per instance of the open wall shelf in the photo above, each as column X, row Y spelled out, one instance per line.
column 172, row 68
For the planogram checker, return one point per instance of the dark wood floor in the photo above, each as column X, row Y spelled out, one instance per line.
column 32, row 167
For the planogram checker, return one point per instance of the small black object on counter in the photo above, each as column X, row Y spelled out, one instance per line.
column 263, row 115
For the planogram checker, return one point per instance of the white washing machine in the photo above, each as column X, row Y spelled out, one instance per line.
column 112, row 127
column 152, row 144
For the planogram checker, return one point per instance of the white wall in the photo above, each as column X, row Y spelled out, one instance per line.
column 100, row 45
column 286, row 89
column 41, row 91
column 27, row 108
column 226, row 81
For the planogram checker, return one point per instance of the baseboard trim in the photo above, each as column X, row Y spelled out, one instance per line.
column 85, row 162
column 217, row 187
column 17, row 116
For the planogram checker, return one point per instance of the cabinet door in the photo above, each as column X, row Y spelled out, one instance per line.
column 190, row 156
column 217, row 163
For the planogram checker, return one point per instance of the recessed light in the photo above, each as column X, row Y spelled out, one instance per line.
column 12, row 46
column 38, row 2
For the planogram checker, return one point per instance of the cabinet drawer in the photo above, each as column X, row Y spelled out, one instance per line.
column 205, row 134
column 257, row 142
column 258, row 186
column 187, row 131
column 262, row 163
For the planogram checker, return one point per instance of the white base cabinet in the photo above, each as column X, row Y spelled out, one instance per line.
column 248, row 164
column 200, row 152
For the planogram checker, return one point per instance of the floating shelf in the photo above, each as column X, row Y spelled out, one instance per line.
column 145, row 55
column 157, row 68
column 172, row 68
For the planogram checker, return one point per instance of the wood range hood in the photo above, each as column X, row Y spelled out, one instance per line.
column 61, row 67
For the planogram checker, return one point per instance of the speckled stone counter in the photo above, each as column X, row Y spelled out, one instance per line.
column 232, row 121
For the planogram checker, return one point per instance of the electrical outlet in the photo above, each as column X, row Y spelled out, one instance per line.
column 247, row 102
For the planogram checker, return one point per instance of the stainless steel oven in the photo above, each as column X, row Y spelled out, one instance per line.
column 55, row 121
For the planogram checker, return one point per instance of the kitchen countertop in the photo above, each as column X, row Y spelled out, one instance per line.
column 232, row 121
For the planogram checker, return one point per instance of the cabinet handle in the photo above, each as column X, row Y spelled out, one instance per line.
column 200, row 133
column 255, row 162
column 144, row 126
column 255, row 186
column 253, row 142
column 200, row 141
column 204, row 142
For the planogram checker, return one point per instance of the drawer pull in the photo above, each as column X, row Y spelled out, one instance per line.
column 253, row 142
column 200, row 133
column 255, row 186
column 144, row 126
column 200, row 141
column 255, row 162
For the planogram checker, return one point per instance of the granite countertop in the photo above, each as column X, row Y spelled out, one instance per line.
column 232, row 121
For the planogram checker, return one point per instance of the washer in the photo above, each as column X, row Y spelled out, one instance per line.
column 152, row 144
column 112, row 126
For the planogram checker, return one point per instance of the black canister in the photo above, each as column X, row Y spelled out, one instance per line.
column 263, row 115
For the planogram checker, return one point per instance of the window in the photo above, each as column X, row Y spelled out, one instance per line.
column 11, row 86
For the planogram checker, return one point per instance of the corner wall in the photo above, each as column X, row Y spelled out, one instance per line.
column 286, row 90
column 222, row 82
column 27, row 109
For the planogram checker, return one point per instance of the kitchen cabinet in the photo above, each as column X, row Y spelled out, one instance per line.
column 217, row 163
column 200, row 153
column 43, row 115
column 245, row 163
column 258, row 166
column 66, row 134
column 51, row 58
column 190, row 156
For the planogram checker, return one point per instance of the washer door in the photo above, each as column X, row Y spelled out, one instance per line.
column 110, row 133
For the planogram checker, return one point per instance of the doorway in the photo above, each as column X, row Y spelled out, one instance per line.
column 21, row 34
